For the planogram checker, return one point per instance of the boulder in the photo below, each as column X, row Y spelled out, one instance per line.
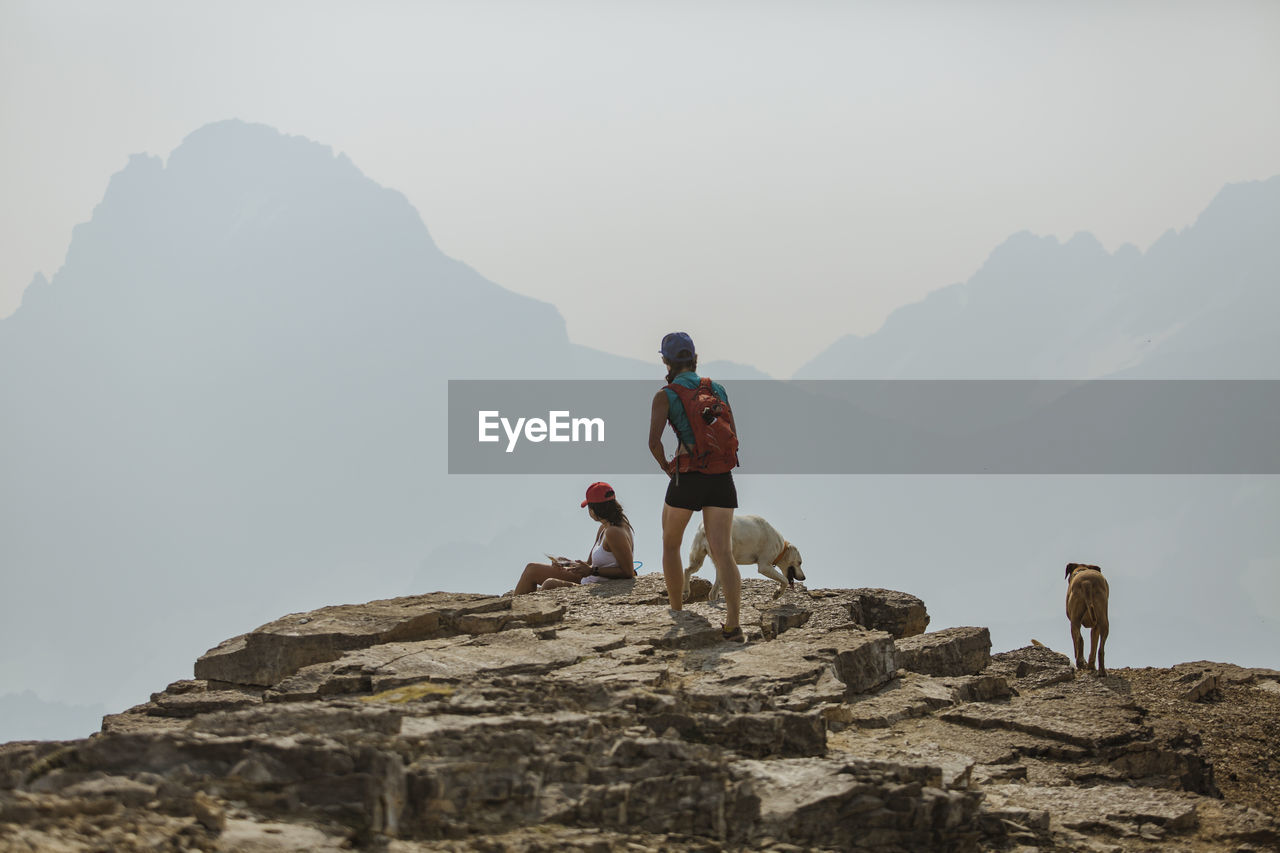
column 858, row 804
column 898, row 613
column 864, row 661
column 1032, row 667
column 951, row 651
column 699, row 589
column 1027, row 660
column 1229, row 673
column 1202, row 687
column 778, row 619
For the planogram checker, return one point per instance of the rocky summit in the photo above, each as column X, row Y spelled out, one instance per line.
column 594, row 718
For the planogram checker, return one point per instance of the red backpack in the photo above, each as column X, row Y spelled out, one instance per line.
column 715, row 439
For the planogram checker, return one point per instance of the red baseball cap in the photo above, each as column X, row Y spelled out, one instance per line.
column 598, row 493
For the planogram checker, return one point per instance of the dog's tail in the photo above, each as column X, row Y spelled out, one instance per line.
column 1090, row 616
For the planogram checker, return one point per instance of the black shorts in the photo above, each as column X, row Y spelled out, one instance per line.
column 694, row 490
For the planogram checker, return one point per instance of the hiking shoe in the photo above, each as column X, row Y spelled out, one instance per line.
column 734, row 636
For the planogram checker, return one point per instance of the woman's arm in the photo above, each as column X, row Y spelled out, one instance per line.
column 567, row 563
column 620, row 546
column 657, row 423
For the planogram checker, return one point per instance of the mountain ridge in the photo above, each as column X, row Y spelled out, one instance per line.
column 1072, row 310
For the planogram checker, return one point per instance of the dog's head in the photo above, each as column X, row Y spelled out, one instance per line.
column 789, row 563
column 1073, row 567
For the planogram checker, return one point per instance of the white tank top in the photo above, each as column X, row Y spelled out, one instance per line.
column 600, row 558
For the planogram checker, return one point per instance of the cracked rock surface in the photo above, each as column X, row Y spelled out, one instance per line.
column 595, row 719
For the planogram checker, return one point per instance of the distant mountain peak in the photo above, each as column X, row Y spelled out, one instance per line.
column 237, row 148
column 1194, row 305
column 1084, row 240
column 1255, row 204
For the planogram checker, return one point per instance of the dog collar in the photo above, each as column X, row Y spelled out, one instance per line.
column 785, row 546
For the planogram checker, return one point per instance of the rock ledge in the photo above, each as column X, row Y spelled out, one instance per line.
column 593, row 718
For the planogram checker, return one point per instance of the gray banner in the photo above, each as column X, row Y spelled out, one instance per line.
column 601, row 427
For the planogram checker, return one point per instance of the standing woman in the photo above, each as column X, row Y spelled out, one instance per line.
column 700, row 477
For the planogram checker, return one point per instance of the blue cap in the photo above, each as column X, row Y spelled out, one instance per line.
column 677, row 346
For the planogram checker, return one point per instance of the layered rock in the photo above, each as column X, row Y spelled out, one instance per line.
column 953, row 651
column 280, row 648
column 594, row 718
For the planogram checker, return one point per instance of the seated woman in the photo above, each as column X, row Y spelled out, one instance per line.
column 610, row 555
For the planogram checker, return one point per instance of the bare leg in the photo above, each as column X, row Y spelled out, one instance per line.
column 536, row 573
column 718, row 521
column 674, row 521
column 556, row 583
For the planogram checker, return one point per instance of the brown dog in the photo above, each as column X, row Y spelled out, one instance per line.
column 1087, row 594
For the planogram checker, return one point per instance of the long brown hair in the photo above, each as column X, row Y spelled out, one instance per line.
column 611, row 511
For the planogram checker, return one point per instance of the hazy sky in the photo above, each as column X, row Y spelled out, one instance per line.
column 796, row 170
